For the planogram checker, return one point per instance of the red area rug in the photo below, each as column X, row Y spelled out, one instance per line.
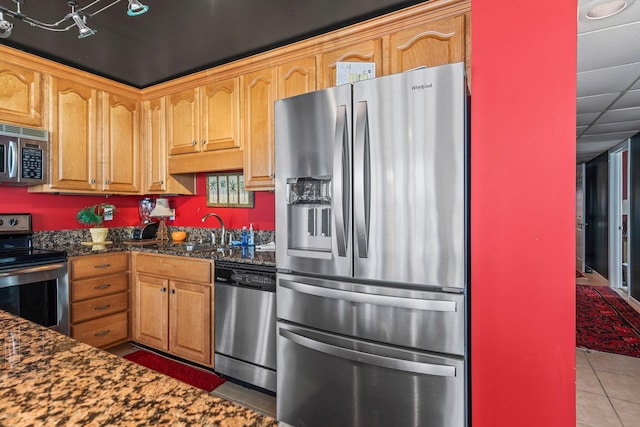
column 605, row 322
column 200, row 378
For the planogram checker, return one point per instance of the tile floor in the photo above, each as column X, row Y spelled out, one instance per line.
column 607, row 389
column 607, row 385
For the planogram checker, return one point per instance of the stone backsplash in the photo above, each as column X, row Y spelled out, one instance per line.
column 49, row 239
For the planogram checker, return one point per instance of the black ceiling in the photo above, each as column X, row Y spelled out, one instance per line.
column 176, row 37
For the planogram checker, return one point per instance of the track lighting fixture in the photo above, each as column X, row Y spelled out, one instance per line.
column 81, row 23
column 76, row 18
column 136, row 8
column 5, row 27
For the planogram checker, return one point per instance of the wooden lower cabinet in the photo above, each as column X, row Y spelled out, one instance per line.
column 100, row 299
column 173, row 305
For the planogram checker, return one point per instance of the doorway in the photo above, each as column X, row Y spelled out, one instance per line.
column 619, row 214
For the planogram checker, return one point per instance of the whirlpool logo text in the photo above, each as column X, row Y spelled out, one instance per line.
column 422, row 86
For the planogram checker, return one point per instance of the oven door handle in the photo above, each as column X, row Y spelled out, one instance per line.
column 370, row 359
column 27, row 270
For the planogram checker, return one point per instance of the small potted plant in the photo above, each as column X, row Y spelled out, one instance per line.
column 93, row 217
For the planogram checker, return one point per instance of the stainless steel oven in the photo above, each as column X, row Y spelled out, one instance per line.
column 34, row 283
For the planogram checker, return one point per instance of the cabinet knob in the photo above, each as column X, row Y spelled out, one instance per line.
column 172, row 291
column 108, row 182
column 161, row 182
column 93, row 180
column 163, row 289
column 194, row 142
column 204, row 141
column 273, row 176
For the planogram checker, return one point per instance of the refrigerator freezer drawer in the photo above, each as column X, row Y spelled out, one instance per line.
column 431, row 321
column 339, row 381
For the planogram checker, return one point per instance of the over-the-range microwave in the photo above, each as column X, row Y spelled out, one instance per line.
column 24, row 155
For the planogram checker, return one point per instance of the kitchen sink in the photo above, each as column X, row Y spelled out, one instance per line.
column 191, row 248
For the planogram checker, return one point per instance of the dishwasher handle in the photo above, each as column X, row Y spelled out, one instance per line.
column 368, row 358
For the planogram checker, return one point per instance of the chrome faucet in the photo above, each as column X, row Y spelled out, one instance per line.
column 213, row 236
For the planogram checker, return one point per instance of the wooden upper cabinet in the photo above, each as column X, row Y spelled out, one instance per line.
column 20, row 95
column 75, row 143
column 155, row 146
column 365, row 51
column 296, row 77
column 259, row 95
column 220, row 115
column 121, row 144
column 430, row 44
column 155, row 173
column 182, row 122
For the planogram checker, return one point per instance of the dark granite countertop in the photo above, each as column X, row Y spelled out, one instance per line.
column 245, row 254
column 49, row 379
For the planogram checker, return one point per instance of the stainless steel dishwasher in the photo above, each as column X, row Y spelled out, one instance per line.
column 245, row 323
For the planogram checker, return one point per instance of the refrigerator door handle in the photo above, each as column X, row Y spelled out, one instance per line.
column 359, row 297
column 362, row 178
column 370, row 359
column 341, row 180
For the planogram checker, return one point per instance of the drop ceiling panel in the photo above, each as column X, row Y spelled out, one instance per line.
column 628, row 100
column 601, row 49
column 595, row 103
column 614, row 127
column 622, row 115
column 607, row 80
column 586, row 119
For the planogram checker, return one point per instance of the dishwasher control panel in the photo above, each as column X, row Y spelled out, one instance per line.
column 246, row 275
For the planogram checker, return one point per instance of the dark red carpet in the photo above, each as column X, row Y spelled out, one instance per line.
column 202, row 379
column 579, row 274
column 605, row 322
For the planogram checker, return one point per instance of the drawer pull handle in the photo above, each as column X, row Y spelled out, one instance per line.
column 102, row 266
column 102, row 307
column 101, row 334
column 105, row 286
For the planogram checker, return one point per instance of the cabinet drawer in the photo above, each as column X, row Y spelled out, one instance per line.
column 98, row 307
column 99, row 265
column 180, row 268
column 99, row 286
column 104, row 331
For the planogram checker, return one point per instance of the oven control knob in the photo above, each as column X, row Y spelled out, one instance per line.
column 13, row 222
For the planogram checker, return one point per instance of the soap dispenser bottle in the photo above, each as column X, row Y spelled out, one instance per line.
column 251, row 238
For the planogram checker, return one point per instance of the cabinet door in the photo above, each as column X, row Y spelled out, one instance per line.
column 190, row 317
column 434, row 43
column 296, row 77
column 150, row 311
column 220, row 105
column 367, row 51
column 182, row 122
column 121, row 144
column 20, row 95
column 259, row 96
column 75, row 145
column 155, row 160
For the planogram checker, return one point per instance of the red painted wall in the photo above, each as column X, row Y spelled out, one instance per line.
column 522, row 213
column 57, row 212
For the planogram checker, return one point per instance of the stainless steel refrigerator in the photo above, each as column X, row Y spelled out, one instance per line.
column 372, row 252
